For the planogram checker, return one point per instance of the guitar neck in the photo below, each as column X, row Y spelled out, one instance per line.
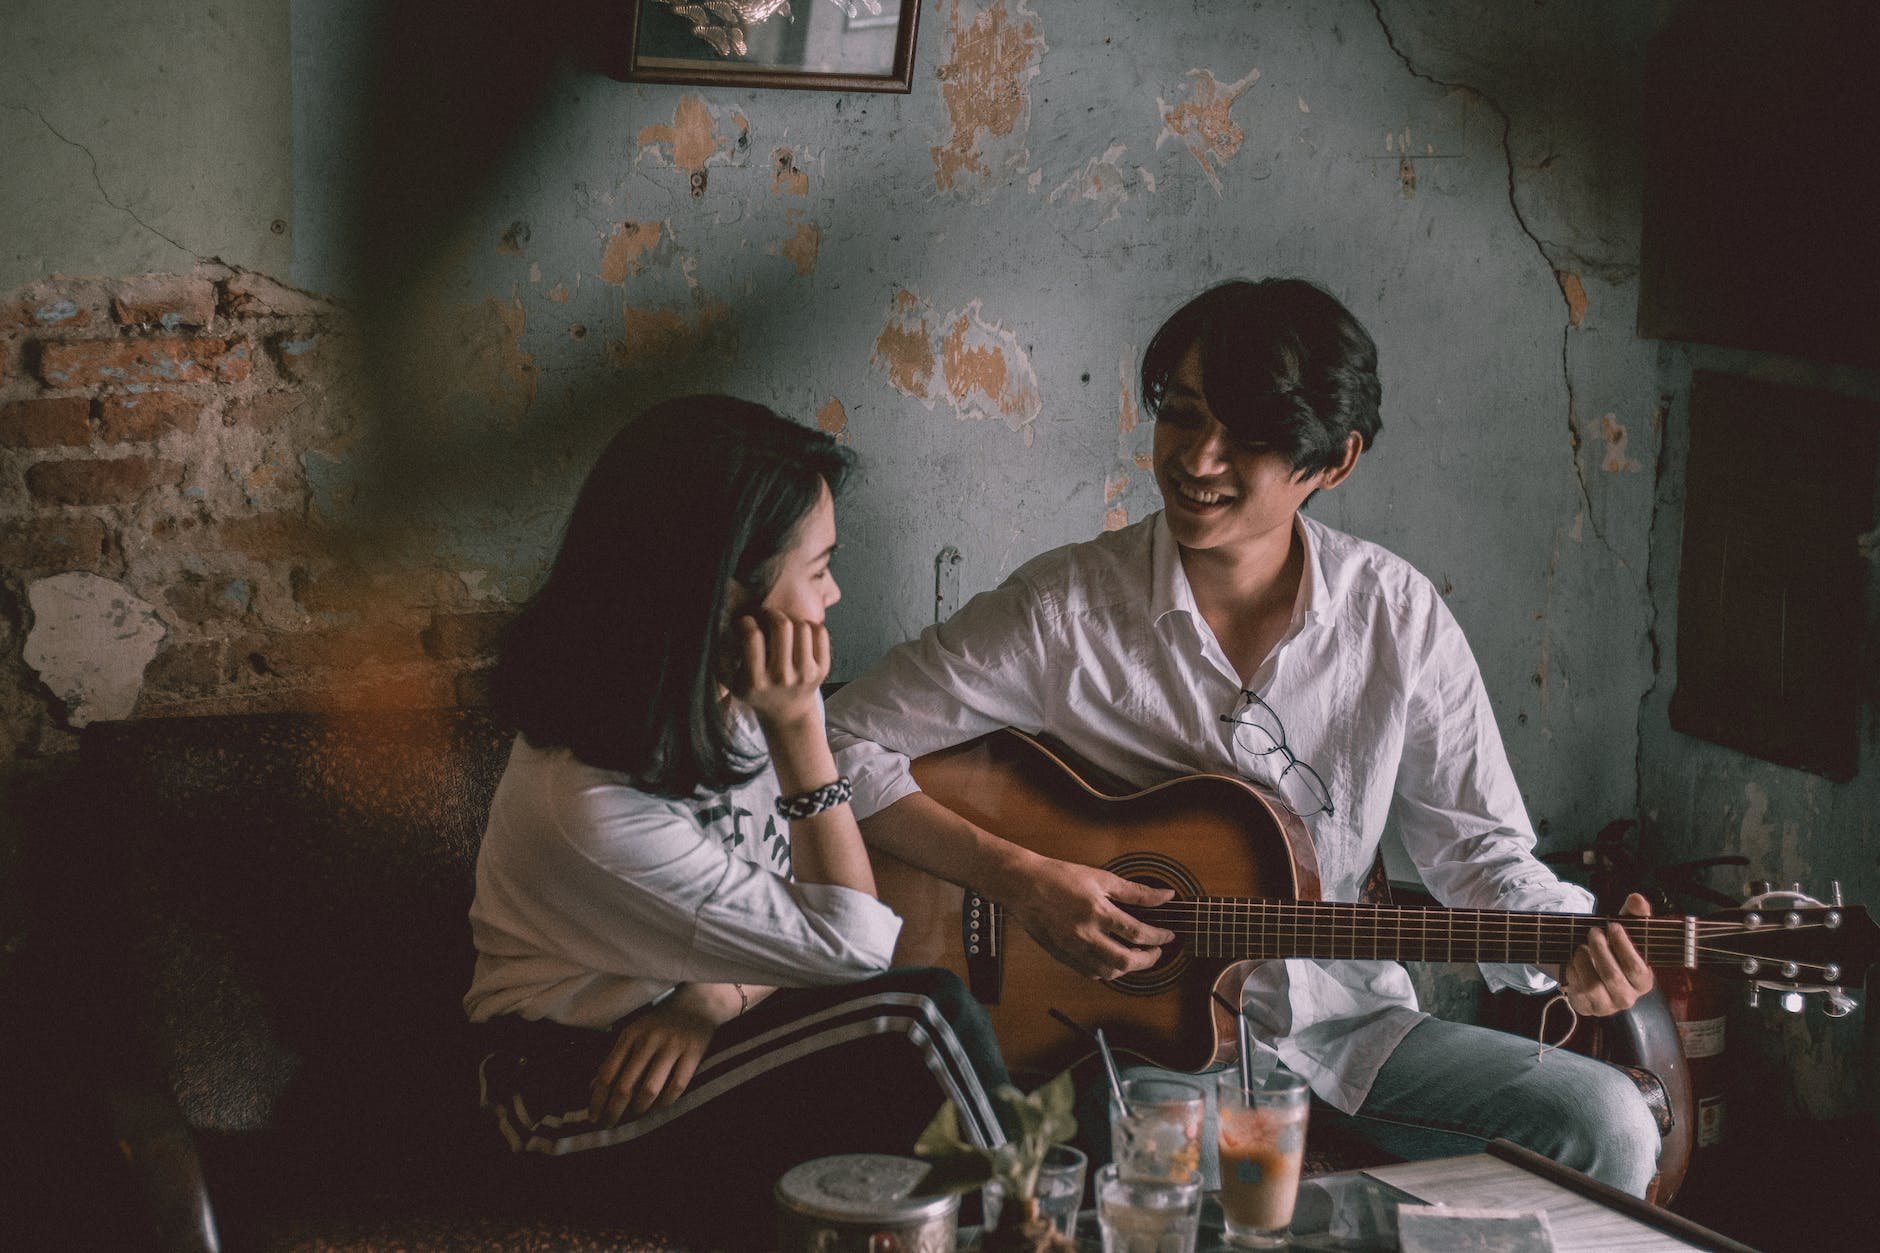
column 1238, row 928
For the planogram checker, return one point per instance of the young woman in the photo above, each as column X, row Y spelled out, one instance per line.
column 670, row 865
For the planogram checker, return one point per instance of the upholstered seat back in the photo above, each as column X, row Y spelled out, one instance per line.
column 287, row 897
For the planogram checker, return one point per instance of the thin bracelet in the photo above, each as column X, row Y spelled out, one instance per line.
column 744, row 1000
column 816, row 800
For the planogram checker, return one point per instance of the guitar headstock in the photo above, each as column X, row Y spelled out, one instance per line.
column 1792, row 944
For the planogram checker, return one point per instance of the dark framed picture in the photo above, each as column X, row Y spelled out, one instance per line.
column 816, row 45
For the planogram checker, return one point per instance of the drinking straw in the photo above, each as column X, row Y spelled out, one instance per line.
column 1103, row 1049
column 1245, row 1032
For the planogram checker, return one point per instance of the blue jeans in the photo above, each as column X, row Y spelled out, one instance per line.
column 1449, row 1088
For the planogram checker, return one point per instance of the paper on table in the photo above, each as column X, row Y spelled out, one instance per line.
column 1449, row 1229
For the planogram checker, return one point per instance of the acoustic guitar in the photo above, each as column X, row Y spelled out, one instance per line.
column 1246, row 886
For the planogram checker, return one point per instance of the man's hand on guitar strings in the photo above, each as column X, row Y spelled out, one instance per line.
column 1075, row 912
column 1607, row 974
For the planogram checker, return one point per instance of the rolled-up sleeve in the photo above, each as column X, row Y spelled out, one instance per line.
column 984, row 668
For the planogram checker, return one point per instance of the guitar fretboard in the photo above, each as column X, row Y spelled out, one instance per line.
column 1236, row 928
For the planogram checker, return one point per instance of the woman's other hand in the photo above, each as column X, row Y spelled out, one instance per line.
column 656, row 1054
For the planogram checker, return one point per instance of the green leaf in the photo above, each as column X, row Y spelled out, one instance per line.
column 958, row 1172
column 1057, row 1099
column 942, row 1136
column 1026, row 1116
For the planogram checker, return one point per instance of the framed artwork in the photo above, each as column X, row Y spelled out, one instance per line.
column 815, row 45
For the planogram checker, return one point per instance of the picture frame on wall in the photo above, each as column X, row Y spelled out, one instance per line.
column 810, row 45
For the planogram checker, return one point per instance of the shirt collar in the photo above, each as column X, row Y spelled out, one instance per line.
column 1169, row 590
column 1315, row 595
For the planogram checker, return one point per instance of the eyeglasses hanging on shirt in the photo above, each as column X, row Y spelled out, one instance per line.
column 1259, row 732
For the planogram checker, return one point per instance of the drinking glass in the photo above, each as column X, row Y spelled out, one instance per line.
column 1263, row 1145
column 1142, row 1215
column 1060, row 1190
column 1156, row 1133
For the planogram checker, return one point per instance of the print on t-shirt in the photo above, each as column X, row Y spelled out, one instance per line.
column 773, row 845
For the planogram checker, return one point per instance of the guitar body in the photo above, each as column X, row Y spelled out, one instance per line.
column 1246, row 886
column 1199, row 835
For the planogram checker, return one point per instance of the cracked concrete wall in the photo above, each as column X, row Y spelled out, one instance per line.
column 141, row 140
column 957, row 282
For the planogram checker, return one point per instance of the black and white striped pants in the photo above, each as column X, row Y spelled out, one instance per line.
column 859, row 1068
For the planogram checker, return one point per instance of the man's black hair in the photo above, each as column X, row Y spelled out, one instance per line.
column 1284, row 366
column 617, row 657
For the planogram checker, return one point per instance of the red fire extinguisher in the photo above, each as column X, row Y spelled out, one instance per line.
column 1696, row 999
column 1697, row 1003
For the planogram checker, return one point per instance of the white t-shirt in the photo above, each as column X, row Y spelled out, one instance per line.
column 594, row 898
column 1102, row 645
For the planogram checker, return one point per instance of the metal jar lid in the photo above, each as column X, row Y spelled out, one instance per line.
column 861, row 1188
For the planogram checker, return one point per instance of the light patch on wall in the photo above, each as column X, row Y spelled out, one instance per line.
column 90, row 642
column 786, row 179
column 1575, row 291
column 653, row 336
column 801, row 247
column 626, row 250
column 698, row 136
column 983, row 80
column 558, row 293
column 1617, row 461
column 978, row 367
column 1202, row 122
column 1104, row 182
column 1756, row 839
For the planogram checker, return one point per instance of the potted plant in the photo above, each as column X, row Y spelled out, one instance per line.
column 1041, row 1119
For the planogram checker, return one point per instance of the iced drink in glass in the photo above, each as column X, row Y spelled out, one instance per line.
column 1262, row 1145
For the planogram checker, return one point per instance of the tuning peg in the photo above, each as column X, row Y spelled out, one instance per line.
column 1756, row 887
column 1754, row 997
column 1792, row 1002
column 1834, row 893
column 1839, row 1004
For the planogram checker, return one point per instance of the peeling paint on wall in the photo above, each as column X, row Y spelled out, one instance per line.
column 978, row 367
column 476, row 351
column 1202, row 121
column 833, row 419
column 625, row 252
column 1104, row 182
column 904, row 349
column 90, row 642
column 786, row 179
column 698, row 136
column 800, row 248
column 983, row 80
column 653, row 336
column 1617, row 460
column 1575, row 291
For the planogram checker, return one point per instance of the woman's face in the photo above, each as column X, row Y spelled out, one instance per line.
column 805, row 587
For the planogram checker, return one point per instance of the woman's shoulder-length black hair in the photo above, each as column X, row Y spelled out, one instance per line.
column 615, row 658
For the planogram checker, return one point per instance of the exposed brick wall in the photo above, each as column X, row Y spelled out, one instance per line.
column 153, row 437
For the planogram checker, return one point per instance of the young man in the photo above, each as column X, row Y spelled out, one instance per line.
column 1129, row 649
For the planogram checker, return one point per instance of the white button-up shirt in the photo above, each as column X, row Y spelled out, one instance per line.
column 1101, row 646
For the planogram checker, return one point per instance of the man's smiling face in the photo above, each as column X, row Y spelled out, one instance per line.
column 1220, row 493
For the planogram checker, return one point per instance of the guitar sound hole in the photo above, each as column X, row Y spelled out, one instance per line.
column 1156, row 871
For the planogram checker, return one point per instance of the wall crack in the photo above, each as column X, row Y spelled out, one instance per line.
column 1540, row 247
column 98, row 180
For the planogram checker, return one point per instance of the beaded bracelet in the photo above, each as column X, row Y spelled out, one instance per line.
column 813, row 802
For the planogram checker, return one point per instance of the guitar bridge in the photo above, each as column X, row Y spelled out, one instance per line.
column 982, row 924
